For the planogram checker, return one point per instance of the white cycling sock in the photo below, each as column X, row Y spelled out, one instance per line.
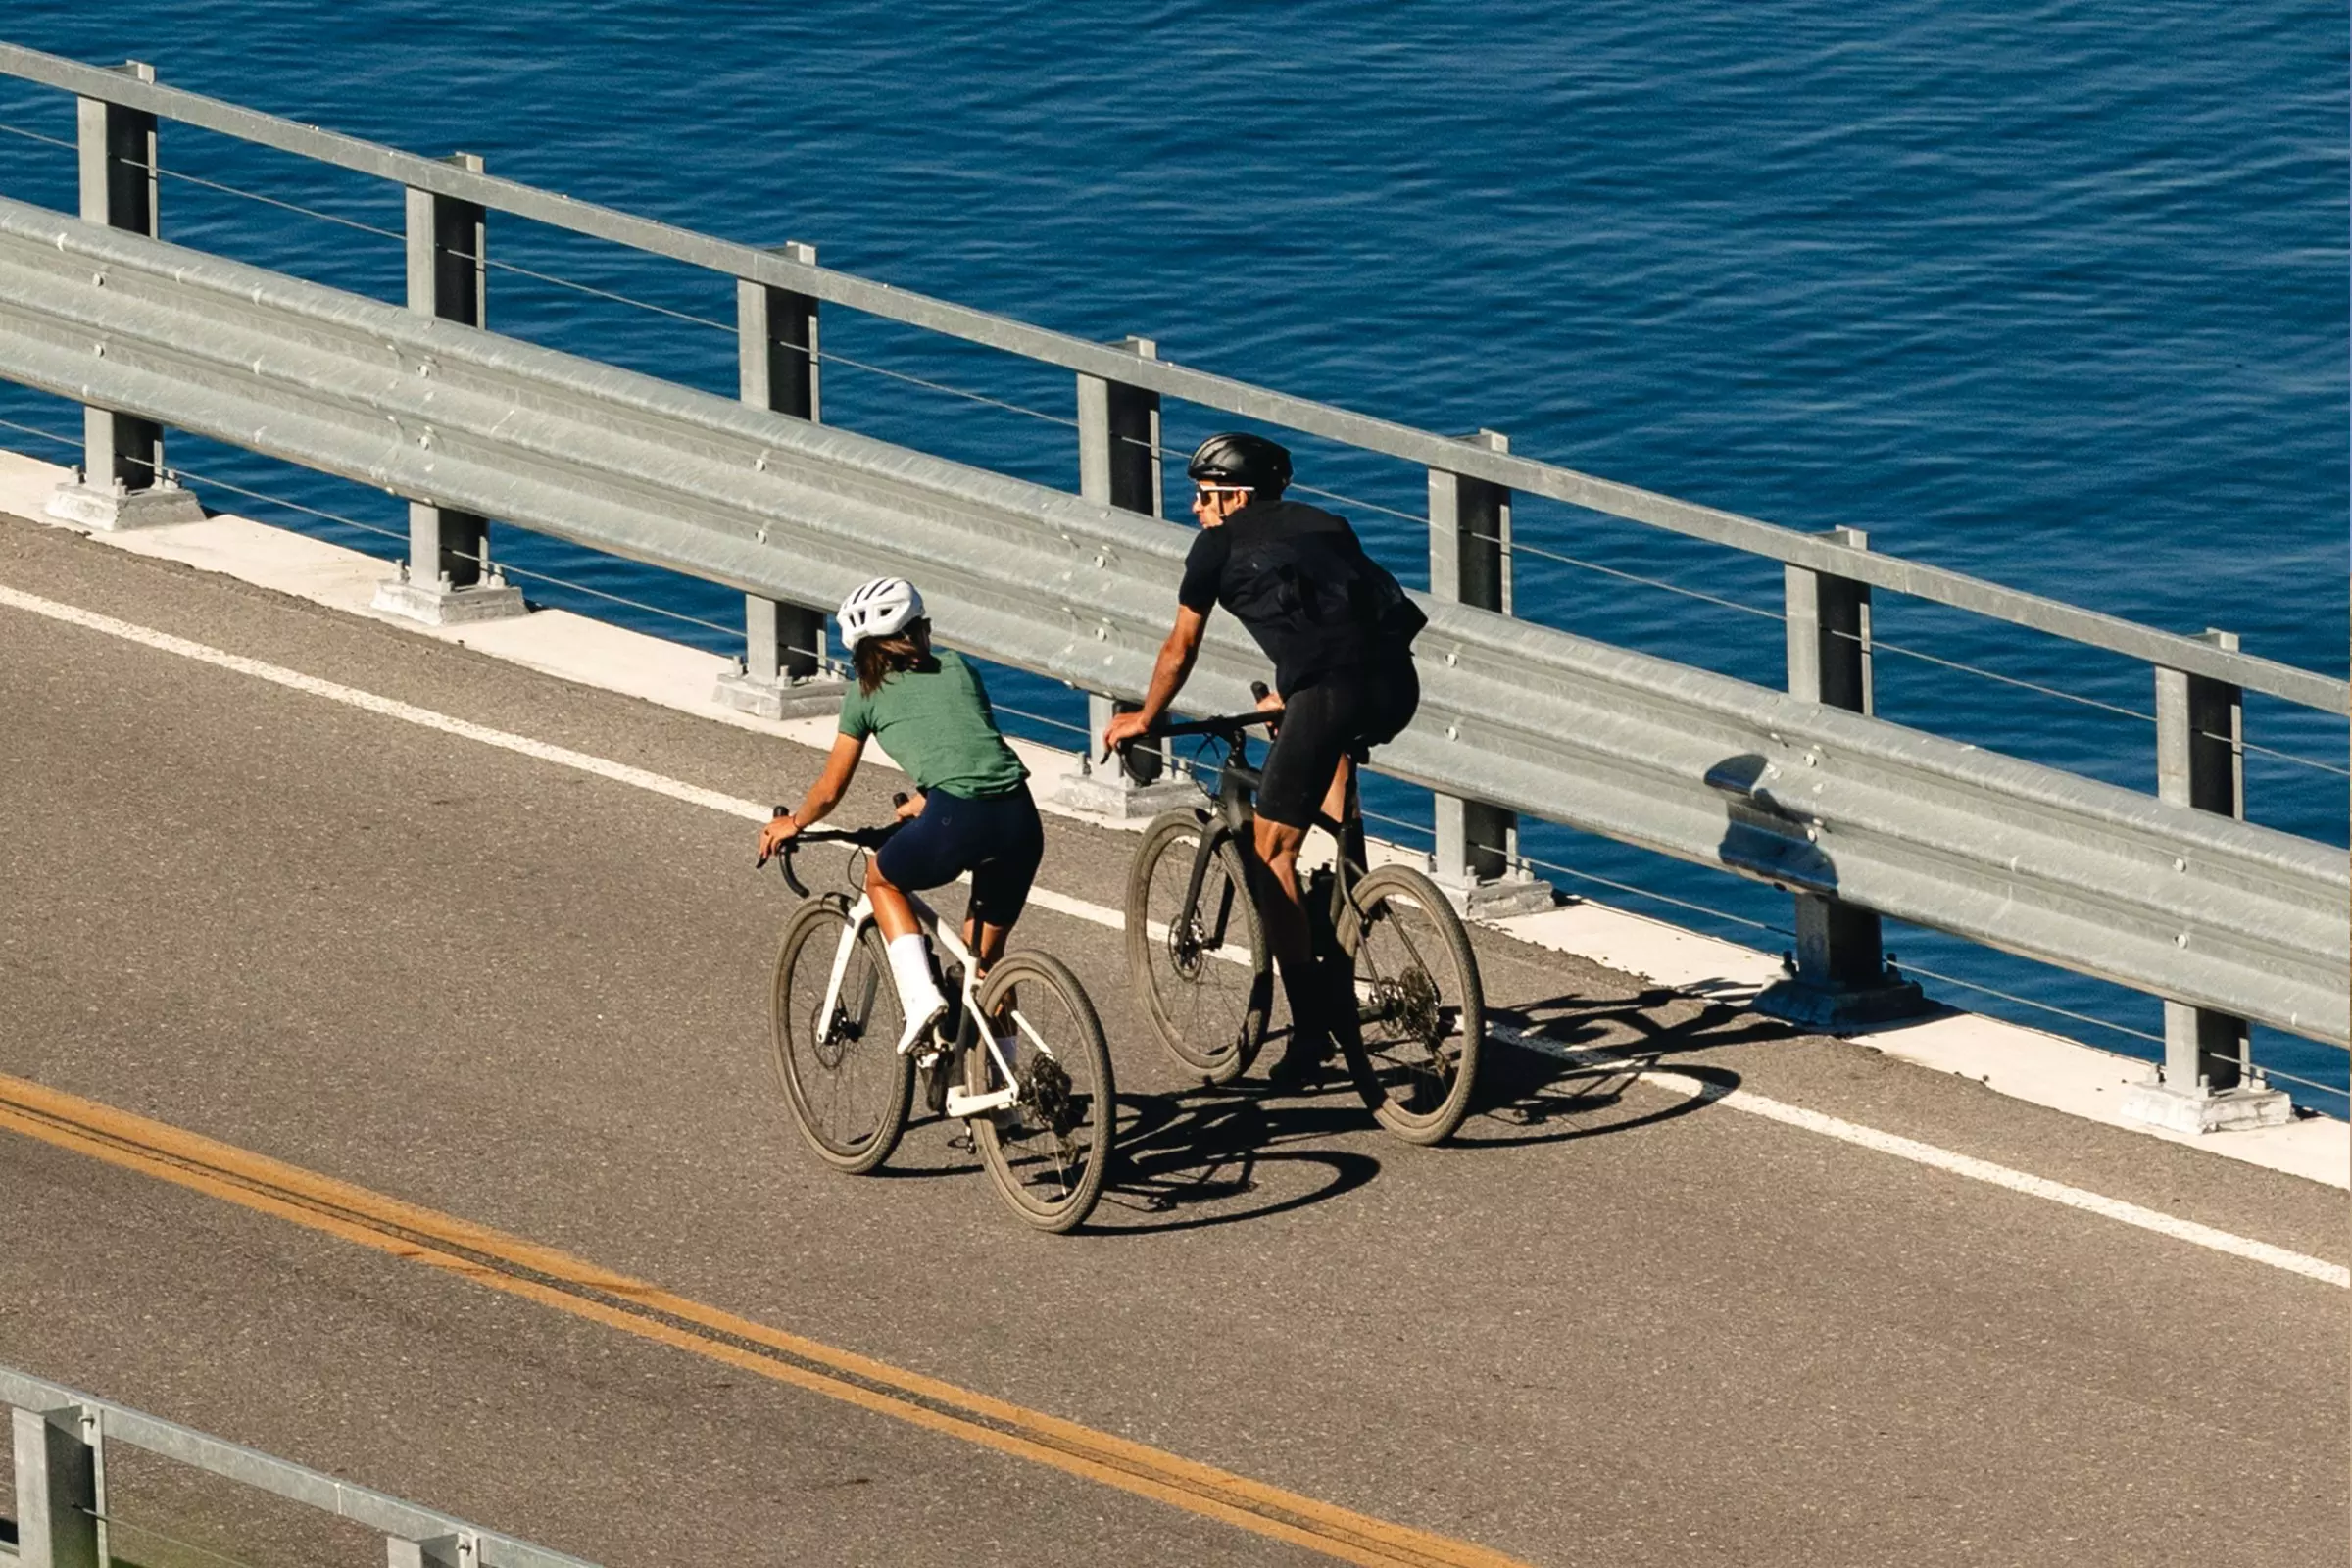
column 910, row 967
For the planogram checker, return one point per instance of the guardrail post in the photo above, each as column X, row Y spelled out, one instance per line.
column 448, row 578
column 1477, row 856
column 1839, row 976
column 122, row 483
column 1118, row 466
column 60, row 1496
column 461, row 1550
column 2207, row 1082
column 783, row 674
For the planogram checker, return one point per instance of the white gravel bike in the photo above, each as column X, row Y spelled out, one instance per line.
column 1019, row 1055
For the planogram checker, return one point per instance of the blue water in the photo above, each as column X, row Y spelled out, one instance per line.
column 2054, row 294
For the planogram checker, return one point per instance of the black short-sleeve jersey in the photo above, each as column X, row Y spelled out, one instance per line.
column 1298, row 580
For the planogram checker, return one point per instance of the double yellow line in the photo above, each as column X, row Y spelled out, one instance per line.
column 573, row 1284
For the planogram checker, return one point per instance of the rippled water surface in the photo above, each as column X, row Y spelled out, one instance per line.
column 2054, row 294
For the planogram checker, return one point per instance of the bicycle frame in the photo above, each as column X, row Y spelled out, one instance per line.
column 959, row 1104
column 1426, row 992
column 1232, row 820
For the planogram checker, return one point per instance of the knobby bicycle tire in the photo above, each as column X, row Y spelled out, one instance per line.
column 1421, row 1008
column 1051, row 1153
column 849, row 1087
column 1208, row 988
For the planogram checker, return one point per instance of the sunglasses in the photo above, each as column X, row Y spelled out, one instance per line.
column 1206, row 493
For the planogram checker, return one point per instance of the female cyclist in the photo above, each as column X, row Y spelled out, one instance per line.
column 971, row 810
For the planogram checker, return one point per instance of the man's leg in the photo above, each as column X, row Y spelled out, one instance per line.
column 1284, row 908
column 1307, row 765
column 1340, row 804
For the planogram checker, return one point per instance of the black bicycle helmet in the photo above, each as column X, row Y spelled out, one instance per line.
column 1238, row 457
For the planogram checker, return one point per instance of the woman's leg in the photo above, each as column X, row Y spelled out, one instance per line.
column 892, row 912
column 1001, row 877
column 913, row 859
column 986, row 940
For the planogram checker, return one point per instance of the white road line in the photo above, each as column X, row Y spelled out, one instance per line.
column 1739, row 1099
column 1944, row 1160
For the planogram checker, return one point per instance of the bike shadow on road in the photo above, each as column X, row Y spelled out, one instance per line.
column 1195, row 1157
column 1189, row 1159
column 1529, row 1095
column 1202, row 1156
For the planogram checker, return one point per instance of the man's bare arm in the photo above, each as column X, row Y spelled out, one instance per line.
column 1174, row 667
column 1169, row 672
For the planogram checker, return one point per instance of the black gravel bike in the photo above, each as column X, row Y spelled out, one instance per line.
column 1196, row 952
column 1036, row 1085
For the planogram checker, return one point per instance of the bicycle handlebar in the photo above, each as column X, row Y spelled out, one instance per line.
column 1213, row 727
column 1227, row 725
column 866, row 838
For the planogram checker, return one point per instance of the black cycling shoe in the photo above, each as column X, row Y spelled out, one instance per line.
column 1302, row 1062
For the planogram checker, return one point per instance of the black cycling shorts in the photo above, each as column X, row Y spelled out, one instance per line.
column 998, row 838
column 1340, row 715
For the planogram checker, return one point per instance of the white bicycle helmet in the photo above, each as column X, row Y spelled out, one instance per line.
column 879, row 608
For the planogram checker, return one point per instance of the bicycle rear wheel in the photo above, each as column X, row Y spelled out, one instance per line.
column 1421, row 1013
column 841, row 1072
column 1050, row 1151
column 1203, row 971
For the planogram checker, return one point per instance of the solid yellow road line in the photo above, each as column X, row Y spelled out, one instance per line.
column 569, row 1284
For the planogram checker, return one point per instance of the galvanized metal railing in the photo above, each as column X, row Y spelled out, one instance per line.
column 2171, row 895
column 61, row 1437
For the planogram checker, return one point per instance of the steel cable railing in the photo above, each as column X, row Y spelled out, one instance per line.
column 499, row 264
column 2275, row 754
column 1514, row 546
column 1533, row 551
column 648, row 607
column 34, row 135
column 73, row 442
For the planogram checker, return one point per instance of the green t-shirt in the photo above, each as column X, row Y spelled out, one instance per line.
column 938, row 726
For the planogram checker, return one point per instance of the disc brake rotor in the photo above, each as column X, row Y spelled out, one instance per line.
column 1184, row 948
column 833, row 1041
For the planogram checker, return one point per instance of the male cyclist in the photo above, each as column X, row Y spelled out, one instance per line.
column 973, row 812
column 1339, row 631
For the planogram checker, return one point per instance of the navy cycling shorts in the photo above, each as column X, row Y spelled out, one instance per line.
column 997, row 837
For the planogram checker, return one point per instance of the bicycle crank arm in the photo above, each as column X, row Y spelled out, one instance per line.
column 961, row 1105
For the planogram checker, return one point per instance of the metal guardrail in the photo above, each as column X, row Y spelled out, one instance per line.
column 1826, row 554
column 2209, row 912
column 60, row 1434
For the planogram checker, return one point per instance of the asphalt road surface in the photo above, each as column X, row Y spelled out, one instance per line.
column 502, row 1024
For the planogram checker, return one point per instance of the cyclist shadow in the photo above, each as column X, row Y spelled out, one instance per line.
column 1200, row 1157
column 1529, row 1095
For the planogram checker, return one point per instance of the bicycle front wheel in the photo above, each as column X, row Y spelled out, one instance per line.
column 1200, row 967
column 1420, row 1011
column 1049, row 1153
column 839, row 1067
